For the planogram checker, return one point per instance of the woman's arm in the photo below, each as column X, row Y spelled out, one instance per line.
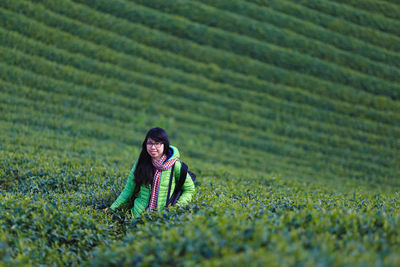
column 188, row 191
column 127, row 192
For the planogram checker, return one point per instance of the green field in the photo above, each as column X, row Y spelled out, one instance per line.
column 288, row 111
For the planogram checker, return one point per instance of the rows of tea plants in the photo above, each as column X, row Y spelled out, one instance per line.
column 227, row 21
column 275, row 146
column 287, row 111
column 246, row 119
column 118, row 113
column 278, row 18
column 97, row 127
column 9, row 39
column 245, row 49
column 382, row 8
column 139, row 65
column 186, row 48
column 358, row 16
column 324, row 103
column 332, row 23
column 114, row 41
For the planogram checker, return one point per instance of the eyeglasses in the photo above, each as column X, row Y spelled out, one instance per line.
column 157, row 145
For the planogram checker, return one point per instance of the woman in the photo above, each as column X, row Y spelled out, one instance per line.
column 151, row 173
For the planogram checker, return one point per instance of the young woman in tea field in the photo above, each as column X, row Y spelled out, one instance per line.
column 149, row 179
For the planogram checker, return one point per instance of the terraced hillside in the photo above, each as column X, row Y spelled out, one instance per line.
column 295, row 96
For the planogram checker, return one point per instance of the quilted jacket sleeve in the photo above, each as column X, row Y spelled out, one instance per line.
column 188, row 191
column 127, row 192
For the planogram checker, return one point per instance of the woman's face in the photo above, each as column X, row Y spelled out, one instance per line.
column 155, row 149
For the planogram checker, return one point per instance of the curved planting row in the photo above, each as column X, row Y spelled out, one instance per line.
column 371, row 36
column 384, row 8
column 395, row 2
column 307, row 29
column 360, row 17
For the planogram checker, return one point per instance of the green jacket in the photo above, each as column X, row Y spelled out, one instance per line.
column 142, row 200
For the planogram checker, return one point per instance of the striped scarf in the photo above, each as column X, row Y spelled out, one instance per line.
column 159, row 166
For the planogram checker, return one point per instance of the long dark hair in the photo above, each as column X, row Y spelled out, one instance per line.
column 144, row 168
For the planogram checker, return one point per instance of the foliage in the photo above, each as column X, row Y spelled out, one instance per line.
column 287, row 111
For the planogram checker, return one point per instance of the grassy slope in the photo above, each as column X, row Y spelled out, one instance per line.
column 286, row 110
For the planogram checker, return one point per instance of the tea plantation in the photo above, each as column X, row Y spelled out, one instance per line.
column 288, row 111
